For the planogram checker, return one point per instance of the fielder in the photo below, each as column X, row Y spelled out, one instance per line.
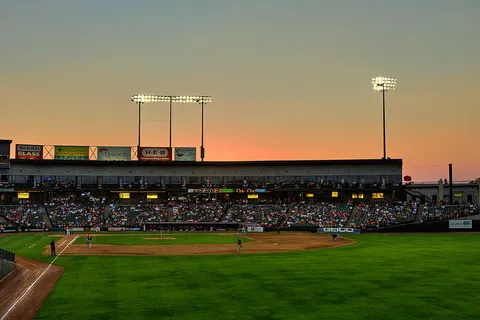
column 239, row 246
column 335, row 236
column 89, row 241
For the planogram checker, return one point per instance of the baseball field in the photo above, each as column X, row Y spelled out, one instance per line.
column 278, row 276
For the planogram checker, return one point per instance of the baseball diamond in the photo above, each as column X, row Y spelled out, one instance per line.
column 125, row 276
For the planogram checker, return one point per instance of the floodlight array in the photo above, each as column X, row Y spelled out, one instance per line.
column 384, row 83
column 176, row 99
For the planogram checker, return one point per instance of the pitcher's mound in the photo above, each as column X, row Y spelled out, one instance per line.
column 164, row 238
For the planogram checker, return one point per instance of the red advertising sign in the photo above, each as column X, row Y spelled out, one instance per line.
column 28, row 152
column 155, row 154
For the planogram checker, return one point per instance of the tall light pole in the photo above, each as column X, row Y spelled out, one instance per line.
column 171, row 99
column 203, row 100
column 384, row 84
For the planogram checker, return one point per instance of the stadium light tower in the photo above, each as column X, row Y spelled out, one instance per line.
column 384, row 84
column 140, row 99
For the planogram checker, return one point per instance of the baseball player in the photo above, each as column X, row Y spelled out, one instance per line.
column 334, row 237
column 89, row 241
column 239, row 246
column 52, row 248
column 68, row 231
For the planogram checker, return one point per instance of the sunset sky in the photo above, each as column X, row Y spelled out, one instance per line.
column 289, row 79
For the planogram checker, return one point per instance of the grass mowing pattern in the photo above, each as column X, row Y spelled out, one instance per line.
column 381, row 277
column 180, row 238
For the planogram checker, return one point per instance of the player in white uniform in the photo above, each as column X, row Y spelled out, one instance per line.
column 68, row 231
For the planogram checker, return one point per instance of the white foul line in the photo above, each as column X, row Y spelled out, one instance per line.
column 31, row 246
column 63, row 243
column 31, row 286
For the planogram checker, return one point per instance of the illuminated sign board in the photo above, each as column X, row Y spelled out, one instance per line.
column 23, row 195
column 252, row 196
column 309, row 195
column 152, row 196
column 227, row 190
column 124, row 195
column 334, row 194
column 458, row 194
column 378, row 195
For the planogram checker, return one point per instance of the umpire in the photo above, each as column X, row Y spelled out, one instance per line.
column 52, row 248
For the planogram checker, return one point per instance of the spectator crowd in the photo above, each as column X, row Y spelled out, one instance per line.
column 284, row 214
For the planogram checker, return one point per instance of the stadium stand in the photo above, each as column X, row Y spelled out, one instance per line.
column 266, row 215
column 136, row 215
column 384, row 214
column 198, row 212
column 66, row 212
column 434, row 212
column 23, row 215
column 319, row 214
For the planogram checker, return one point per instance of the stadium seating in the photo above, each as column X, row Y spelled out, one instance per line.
column 374, row 215
column 63, row 212
column 266, row 215
column 24, row 215
column 319, row 215
column 197, row 212
column 136, row 215
column 434, row 212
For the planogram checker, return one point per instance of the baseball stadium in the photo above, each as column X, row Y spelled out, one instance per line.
column 151, row 233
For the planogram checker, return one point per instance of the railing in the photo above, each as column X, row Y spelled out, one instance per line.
column 7, row 255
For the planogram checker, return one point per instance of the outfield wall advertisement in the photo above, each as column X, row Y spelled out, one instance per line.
column 28, row 152
column 254, row 229
column 339, row 230
column 114, row 153
column 185, row 154
column 460, row 224
column 155, row 154
column 71, row 153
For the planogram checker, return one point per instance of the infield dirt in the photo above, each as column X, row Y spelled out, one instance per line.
column 262, row 243
column 17, row 282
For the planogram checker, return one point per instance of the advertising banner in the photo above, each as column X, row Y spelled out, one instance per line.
column 75, row 229
column 460, row 224
column 254, row 229
column 28, row 152
column 114, row 153
column 155, row 154
column 115, row 229
column 339, row 230
column 71, row 153
column 185, row 154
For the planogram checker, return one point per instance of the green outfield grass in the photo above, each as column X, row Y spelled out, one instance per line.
column 380, row 277
column 180, row 238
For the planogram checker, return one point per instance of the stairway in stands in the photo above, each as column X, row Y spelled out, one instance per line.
column 225, row 211
column 419, row 215
column 352, row 214
column 46, row 218
column 283, row 220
